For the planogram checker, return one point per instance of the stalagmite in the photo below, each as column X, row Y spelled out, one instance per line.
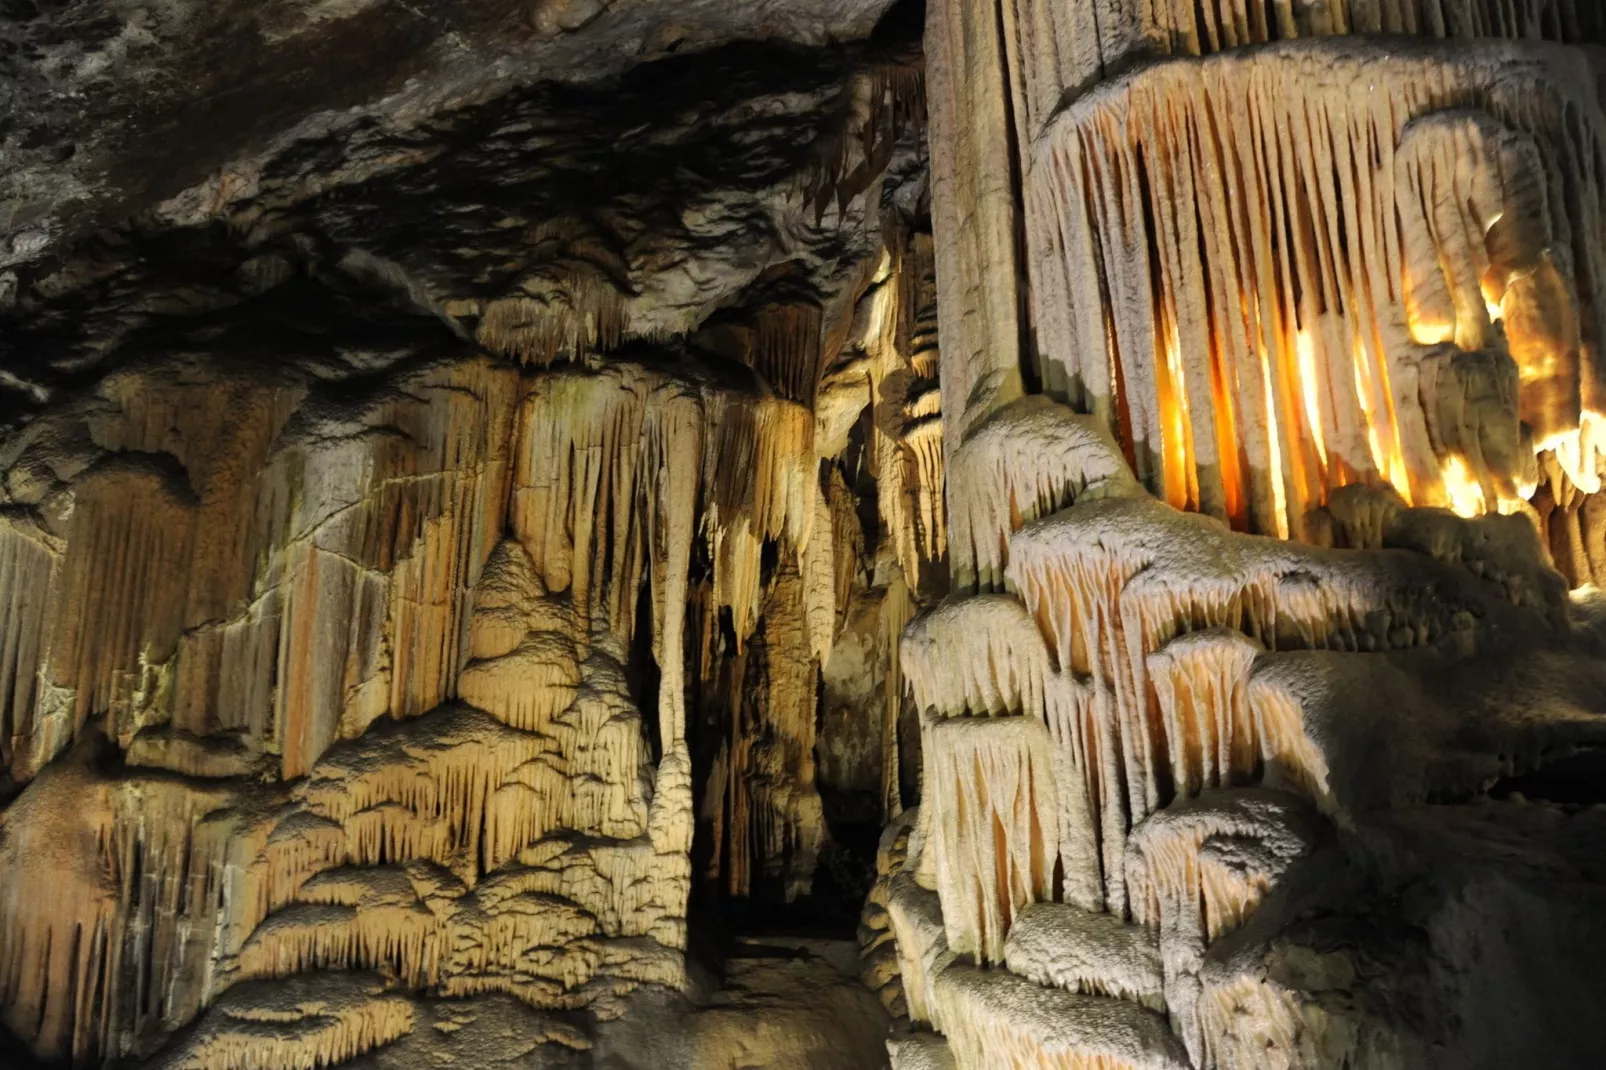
column 771, row 807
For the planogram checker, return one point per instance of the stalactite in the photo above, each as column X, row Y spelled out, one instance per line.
column 530, row 846
column 824, row 601
column 917, row 924
column 32, row 728
column 583, row 470
column 772, row 822
column 1057, row 48
column 1028, row 461
column 759, row 480
column 1246, row 1015
column 114, row 891
column 922, row 426
column 980, row 655
column 1572, row 524
column 906, row 400
column 1200, row 682
column 787, row 349
column 134, row 522
column 897, row 610
column 328, row 546
column 1111, row 582
column 993, row 824
column 1320, row 370
column 572, row 304
column 984, row 655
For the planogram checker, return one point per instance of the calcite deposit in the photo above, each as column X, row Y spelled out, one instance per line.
column 1272, row 351
column 808, row 534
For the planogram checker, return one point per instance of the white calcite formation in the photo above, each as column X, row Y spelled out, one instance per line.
column 1201, row 280
column 1155, row 667
column 1086, row 951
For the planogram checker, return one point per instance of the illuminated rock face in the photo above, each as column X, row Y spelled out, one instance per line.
column 479, row 568
column 1270, row 391
column 414, row 615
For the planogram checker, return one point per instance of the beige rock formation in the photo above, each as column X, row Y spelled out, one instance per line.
column 1336, row 292
column 516, row 562
column 366, row 643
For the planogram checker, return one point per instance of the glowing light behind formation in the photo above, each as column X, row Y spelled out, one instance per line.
column 1579, row 452
column 1462, row 490
column 1310, row 390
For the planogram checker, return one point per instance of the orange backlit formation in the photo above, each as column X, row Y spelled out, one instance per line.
column 1340, row 331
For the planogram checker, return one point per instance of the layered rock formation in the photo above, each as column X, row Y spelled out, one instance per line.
column 423, row 544
column 1259, row 349
column 517, row 536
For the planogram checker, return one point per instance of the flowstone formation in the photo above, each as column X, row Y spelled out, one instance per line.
column 1261, row 726
column 429, row 543
column 656, row 534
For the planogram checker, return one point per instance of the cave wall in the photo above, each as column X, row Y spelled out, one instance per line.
column 1271, row 359
column 648, row 535
column 424, row 544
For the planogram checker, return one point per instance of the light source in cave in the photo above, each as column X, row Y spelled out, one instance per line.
column 1462, row 491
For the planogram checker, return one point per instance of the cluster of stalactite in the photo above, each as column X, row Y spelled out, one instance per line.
column 876, row 430
column 1284, row 267
column 374, row 665
column 1406, row 302
column 1139, row 740
column 1335, row 292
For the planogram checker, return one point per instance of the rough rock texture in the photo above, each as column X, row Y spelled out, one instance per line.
column 496, row 569
column 119, row 109
column 1199, row 797
column 426, row 527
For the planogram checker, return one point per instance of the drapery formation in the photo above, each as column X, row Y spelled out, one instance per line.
column 1272, row 371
